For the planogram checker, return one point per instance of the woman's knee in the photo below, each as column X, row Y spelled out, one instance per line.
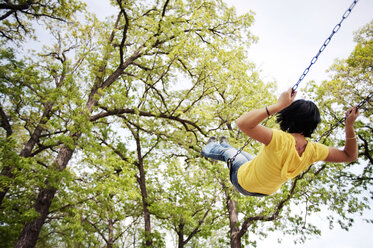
column 230, row 152
column 240, row 160
column 204, row 152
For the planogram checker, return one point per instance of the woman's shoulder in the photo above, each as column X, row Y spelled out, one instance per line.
column 320, row 151
column 317, row 145
column 281, row 134
column 280, row 138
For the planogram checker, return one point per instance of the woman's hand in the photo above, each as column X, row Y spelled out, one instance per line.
column 351, row 115
column 350, row 151
column 286, row 98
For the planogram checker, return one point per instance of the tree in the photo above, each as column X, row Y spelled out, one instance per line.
column 102, row 132
column 35, row 96
column 146, row 49
column 17, row 16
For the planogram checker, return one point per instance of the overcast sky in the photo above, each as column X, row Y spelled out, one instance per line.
column 290, row 34
column 292, row 31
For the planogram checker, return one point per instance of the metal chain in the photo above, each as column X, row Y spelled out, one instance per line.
column 327, row 133
column 365, row 100
column 247, row 142
column 327, row 41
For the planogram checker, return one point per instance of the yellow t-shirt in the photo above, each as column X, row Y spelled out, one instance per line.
column 278, row 162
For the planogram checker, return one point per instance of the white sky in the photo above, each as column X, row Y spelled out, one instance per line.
column 290, row 34
column 292, row 31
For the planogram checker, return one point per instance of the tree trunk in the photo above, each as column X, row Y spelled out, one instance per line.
column 144, row 195
column 7, row 172
column 141, row 181
column 233, row 221
column 31, row 230
column 180, row 234
column 110, row 241
column 235, row 242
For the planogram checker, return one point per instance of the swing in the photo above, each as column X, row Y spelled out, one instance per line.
column 313, row 61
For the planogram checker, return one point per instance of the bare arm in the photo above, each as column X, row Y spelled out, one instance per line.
column 249, row 122
column 350, row 151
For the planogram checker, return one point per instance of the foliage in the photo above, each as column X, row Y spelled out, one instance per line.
column 17, row 17
column 102, row 131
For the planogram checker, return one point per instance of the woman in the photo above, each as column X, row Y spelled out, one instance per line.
column 285, row 153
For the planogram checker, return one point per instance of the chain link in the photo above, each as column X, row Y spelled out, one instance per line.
column 365, row 100
column 327, row 133
column 326, row 42
column 247, row 142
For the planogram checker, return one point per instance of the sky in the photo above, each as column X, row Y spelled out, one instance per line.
column 290, row 34
column 292, row 31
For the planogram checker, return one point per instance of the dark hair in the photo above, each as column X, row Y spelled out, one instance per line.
column 301, row 116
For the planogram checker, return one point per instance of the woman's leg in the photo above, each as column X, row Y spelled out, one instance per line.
column 223, row 151
column 245, row 154
column 233, row 175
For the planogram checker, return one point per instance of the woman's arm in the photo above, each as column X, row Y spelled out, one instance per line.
column 249, row 122
column 350, row 151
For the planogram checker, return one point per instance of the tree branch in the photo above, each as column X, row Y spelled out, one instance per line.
column 5, row 122
column 143, row 113
column 274, row 215
column 366, row 151
column 125, row 30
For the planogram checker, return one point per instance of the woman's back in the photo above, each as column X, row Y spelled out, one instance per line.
column 278, row 162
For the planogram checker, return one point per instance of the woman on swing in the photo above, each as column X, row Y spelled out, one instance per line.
column 285, row 153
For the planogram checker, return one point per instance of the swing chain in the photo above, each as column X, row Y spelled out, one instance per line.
column 231, row 160
column 327, row 133
column 247, row 142
column 365, row 100
column 335, row 30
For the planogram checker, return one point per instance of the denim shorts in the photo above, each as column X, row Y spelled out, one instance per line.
column 225, row 151
column 233, row 176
